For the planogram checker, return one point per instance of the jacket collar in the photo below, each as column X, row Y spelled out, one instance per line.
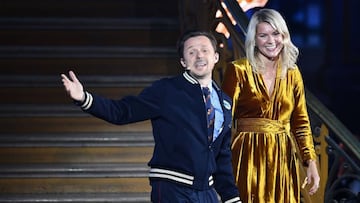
column 194, row 81
column 190, row 78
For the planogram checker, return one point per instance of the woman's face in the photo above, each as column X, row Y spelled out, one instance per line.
column 268, row 41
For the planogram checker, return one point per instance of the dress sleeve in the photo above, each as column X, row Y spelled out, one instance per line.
column 300, row 122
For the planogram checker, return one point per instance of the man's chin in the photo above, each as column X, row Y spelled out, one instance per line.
column 198, row 75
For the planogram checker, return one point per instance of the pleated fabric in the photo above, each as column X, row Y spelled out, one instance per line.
column 268, row 130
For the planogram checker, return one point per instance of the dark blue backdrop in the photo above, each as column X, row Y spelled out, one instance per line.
column 327, row 34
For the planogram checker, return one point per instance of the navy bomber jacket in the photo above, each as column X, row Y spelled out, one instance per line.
column 182, row 152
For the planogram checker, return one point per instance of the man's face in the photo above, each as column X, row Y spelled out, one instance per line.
column 199, row 57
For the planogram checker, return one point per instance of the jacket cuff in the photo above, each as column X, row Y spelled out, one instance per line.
column 86, row 104
column 233, row 200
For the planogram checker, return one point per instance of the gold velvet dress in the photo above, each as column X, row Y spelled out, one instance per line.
column 268, row 128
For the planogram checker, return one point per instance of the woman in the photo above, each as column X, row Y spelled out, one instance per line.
column 271, row 115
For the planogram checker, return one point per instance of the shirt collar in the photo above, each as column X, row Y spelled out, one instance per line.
column 210, row 87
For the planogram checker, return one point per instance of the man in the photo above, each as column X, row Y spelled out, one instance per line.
column 188, row 162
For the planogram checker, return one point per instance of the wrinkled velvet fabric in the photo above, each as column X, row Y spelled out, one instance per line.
column 264, row 152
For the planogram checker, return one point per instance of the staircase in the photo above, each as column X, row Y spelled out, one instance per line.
column 50, row 151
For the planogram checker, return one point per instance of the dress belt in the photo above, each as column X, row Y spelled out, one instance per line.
column 262, row 125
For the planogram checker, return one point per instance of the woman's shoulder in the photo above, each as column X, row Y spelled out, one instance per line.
column 294, row 70
column 241, row 64
column 294, row 73
column 241, row 61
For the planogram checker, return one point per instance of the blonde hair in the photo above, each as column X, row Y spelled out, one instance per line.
column 289, row 53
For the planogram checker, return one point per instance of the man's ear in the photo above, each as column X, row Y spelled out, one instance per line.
column 182, row 61
column 216, row 57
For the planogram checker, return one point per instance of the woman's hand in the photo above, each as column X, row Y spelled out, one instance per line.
column 312, row 177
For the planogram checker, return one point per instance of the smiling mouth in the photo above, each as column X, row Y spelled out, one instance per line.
column 273, row 47
column 200, row 64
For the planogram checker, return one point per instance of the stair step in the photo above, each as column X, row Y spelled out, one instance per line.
column 88, row 51
column 88, row 8
column 89, row 31
column 87, row 38
column 91, row 66
column 67, row 125
column 127, row 23
column 119, row 197
column 75, row 170
column 56, row 95
column 91, row 139
column 73, row 185
column 74, row 155
column 121, row 81
column 26, row 92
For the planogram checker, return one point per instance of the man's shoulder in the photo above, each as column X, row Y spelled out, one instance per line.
column 167, row 82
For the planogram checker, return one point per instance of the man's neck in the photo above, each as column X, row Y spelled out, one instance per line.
column 205, row 82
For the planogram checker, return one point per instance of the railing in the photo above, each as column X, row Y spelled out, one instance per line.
column 339, row 154
column 337, row 148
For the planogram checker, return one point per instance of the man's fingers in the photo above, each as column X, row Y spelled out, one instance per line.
column 69, row 79
column 73, row 76
column 64, row 78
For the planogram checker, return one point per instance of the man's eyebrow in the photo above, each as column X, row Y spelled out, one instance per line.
column 190, row 47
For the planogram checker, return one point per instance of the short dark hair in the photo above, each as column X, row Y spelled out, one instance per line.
column 194, row 33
